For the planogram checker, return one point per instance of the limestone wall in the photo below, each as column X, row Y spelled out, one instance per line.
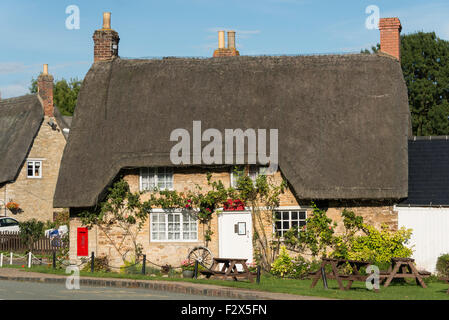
column 35, row 195
column 174, row 252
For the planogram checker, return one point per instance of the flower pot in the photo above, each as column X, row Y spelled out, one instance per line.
column 187, row 273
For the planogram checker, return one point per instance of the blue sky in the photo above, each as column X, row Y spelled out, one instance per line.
column 34, row 32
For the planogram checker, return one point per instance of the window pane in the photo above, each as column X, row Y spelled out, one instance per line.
column 37, row 168
column 302, row 215
column 277, row 215
column 285, row 215
column 278, row 225
column 30, row 169
column 302, row 223
column 294, row 224
column 285, row 225
column 294, row 215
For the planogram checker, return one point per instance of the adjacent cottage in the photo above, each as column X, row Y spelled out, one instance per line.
column 343, row 124
column 32, row 139
column 426, row 210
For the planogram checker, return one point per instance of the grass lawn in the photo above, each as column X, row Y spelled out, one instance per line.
column 436, row 290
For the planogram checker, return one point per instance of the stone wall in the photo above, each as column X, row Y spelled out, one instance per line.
column 35, row 195
column 174, row 252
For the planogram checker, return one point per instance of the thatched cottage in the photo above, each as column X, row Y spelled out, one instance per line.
column 343, row 123
column 32, row 139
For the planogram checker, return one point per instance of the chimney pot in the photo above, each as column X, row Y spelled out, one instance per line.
column 221, row 39
column 231, row 39
column 45, row 69
column 106, row 20
column 230, row 51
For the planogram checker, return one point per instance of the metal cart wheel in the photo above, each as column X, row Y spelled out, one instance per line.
column 202, row 255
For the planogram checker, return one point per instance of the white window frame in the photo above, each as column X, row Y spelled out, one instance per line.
column 155, row 177
column 289, row 209
column 181, row 222
column 34, row 161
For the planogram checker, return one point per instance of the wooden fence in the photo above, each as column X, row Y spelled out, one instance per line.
column 11, row 242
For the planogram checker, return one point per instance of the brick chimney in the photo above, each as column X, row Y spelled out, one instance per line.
column 230, row 51
column 105, row 41
column 45, row 91
column 390, row 36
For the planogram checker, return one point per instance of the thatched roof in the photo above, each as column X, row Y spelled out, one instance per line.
column 20, row 119
column 343, row 120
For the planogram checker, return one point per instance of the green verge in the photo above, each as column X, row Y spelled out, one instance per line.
column 436, row 290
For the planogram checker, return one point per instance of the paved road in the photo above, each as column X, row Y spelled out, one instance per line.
column 22, row 290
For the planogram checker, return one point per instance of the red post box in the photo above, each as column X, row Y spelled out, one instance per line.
column 82, row 241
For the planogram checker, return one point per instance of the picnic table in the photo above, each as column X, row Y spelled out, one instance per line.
column 229, row 269
column 407, row 269
column 335, row 274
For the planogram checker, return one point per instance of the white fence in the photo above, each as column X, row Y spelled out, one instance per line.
column 430, row 233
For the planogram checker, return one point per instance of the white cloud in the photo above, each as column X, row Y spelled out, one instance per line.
column 13, row 67
column 13, row 90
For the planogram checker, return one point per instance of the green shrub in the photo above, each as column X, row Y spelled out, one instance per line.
column 31, row 231
column 130, row 267
column 301, row 267
column 101, row 264
column 443, row 265
column 283, row 266
column 380, row 246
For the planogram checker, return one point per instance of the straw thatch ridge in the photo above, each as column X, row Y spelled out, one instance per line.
column 343, row 120
column 20, row 119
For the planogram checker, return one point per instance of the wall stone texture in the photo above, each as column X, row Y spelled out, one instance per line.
column 35, row 195
column 173, row 253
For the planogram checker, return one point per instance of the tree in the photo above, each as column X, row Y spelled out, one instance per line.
column 31, row 231
column 65, row 94
column 374, row 49
column 425, row 65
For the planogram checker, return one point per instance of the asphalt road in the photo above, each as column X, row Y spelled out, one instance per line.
column 22, row 290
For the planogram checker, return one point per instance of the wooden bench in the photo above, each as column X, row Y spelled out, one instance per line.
column 335, row 274
column 229, row 270
column 407, row 269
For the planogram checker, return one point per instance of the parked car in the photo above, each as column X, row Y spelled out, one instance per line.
column 9, row 224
